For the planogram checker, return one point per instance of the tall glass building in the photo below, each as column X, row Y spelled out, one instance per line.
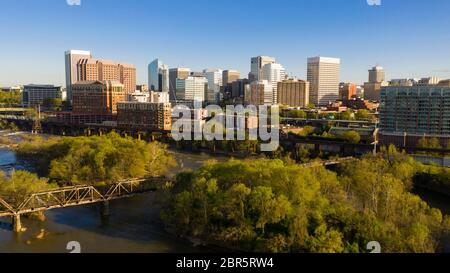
column 158, row 76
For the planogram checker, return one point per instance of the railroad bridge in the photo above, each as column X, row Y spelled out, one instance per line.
column 77, row 196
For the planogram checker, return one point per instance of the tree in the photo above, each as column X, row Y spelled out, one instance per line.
column 362, row 115
column 300, row 114
column 21, row 184
column 53, row 104
column 429, row 143
column 347, row 115
column 97, row 160
column 352, row 137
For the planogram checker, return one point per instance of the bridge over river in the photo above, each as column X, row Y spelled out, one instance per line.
column 77, row 196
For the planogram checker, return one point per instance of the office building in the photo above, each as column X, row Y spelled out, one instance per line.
column 409, row 113
column 144, row 116
column 377, row 74
column 293, row 93
column 274, row 73
column 192, row 89
column 72, row 57
column 174, row 74
column 377, row 80
column 34, row 95
column 158, row 76
column 104, row 70
column 230, row 76
column 259, row 93
column 214, row 78
column 323, row 76
column 257, row 64
column 238, row 88
column 97, row 97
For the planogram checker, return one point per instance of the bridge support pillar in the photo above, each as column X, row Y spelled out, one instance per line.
column 105, row 208
column 17, row 223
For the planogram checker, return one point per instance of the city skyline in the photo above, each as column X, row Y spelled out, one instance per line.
column 362, row 36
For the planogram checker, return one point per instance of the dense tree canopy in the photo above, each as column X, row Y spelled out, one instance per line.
column 96, row 160
column 271, row 206
column 10, row 99
column 20, row 185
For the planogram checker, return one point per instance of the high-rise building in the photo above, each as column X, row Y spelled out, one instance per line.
column 293, row 93
column 97, row 97
column 158, row 76
column 274, row 73
column 144, row 115
column 259, row 93
column 410, row 113
column 230, row 76
column 377, row 74
column 174, row 74
column 192, row 89
column 372, row 88
column 257, row 64
column 347, row 91
column 323, row 76
column 103, row 70
column 214, row 77
column 72, row 57
column 34, row 95
column 238, row 88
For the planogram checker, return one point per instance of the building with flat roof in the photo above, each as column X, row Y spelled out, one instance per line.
column 144, row 116
column 323, row 77
column 104, row 70
column 34, row 95
column 97, row 97
column 259, row 93
column 409, row 113
column 257, row 64
column 293, row 93
column 192, row 89
column 72, row 57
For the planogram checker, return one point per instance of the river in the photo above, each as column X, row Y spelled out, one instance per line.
column 132, row 227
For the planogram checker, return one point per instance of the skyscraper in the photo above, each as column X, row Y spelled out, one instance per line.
column 174, row 74
column 377, row 74
column 158, row 76
column 72, row 57
column 274, row 73
column 323, row 76
column 103, row 70
column 230, row 76
column 192, row 89
column 214, row 77
column 377, row 79
column 257, row 64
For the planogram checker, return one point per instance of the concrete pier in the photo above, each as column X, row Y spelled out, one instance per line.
column 17, row 223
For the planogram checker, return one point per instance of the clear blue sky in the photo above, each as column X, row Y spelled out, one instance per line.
column 410, row 38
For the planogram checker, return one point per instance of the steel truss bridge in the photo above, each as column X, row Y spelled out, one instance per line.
column 77, row 196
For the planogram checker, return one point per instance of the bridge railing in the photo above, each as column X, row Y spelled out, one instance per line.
column 80, row 195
